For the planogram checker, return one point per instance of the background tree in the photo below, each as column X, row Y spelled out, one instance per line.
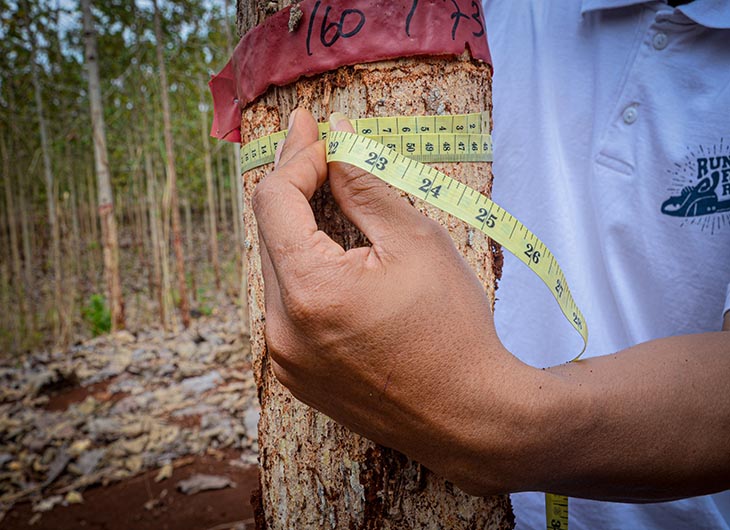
column 171, row 173
column 314, row 471
column 49, row 217
column 101, row 162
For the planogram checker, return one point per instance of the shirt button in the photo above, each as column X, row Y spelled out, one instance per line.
column 630, row 114
column 660, row 41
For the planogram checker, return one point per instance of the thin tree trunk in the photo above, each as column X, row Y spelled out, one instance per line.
column 314, row 472
column 210, row 188
column 155, row 231
column 165, row 215
column 67, row 254
column 104, row 190
column 27, row 254
column 235, row 212
column 191, row 255
column 91, row 210
column 22, row 315
column 171, row 174
column 50, row 196
column 144, row 207
column 75, row 228
column 238, row 187
column 221, row 190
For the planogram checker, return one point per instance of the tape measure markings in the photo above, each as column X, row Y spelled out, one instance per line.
column 556, row 511
column 395, row 157
column 438, row 138
column 479, row 211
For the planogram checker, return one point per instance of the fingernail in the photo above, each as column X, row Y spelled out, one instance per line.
column 338, row 121
column 277, row 154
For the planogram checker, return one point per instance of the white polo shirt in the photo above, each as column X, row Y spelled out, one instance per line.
column 612, row 144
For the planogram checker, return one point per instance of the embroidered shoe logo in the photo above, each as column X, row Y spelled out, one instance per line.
column 701, row 188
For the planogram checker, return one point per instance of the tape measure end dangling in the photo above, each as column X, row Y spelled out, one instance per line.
column 556, row 511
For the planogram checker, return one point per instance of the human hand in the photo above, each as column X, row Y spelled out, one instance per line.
column 395, row 340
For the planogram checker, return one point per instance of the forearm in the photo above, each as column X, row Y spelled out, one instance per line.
column 649, row 423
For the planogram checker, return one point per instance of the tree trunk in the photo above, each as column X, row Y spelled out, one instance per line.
column 212, row 220
column 235, row 213
column 314, row 472
column 171, row 174
column 18, row 282
column 237, row 189
column 164, row 240
column 27, row 255
column 221, row 190
column 105, row 201
column 50, row 199
column 191, row 245
column 75, row 229
column 157, row 245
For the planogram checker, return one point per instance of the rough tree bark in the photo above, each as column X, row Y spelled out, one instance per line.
column 105, row 200
column 314, row 472
column 171, row 174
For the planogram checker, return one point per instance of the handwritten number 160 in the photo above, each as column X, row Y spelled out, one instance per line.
column 326, row 35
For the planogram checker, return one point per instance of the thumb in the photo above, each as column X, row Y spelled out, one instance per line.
column 372, row 205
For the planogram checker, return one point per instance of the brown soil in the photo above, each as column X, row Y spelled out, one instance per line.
column 121, row 506
column 66, row 396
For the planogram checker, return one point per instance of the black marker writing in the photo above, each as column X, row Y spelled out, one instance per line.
column 410, row 17
column 330, row 32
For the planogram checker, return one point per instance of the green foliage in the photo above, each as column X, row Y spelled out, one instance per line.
column 97, row 316
column 50, row 35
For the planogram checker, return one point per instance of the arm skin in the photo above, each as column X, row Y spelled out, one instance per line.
column 396, row 341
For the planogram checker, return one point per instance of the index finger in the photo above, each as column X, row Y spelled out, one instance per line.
column 281, row 201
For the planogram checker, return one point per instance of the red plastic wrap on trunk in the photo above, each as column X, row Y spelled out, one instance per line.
column 331, row 34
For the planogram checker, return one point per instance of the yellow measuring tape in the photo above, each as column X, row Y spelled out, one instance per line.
column 455, row 138
column 394, row 149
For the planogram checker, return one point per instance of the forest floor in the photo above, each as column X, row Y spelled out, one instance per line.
column 151, row 430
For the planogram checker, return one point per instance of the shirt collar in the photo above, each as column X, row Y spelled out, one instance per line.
column 708, row 13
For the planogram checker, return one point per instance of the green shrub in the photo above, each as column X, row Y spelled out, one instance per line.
column 96, row 314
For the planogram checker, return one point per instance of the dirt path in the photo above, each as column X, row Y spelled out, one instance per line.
column 140, row 503
column 100, row 435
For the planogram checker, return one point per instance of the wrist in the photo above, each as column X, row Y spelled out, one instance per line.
column 518, row 440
